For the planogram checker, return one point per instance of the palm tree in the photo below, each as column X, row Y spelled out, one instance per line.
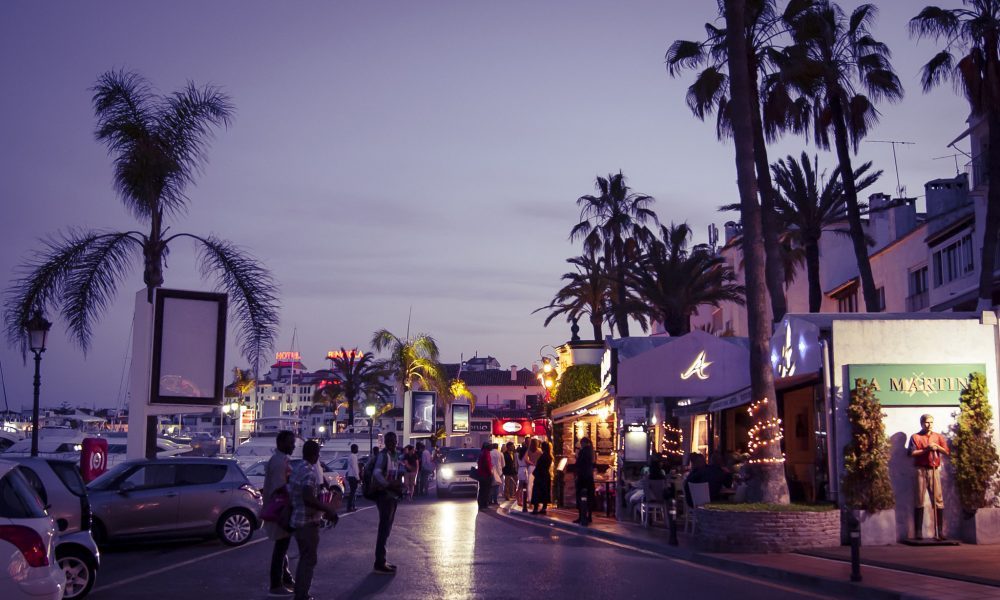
column 358, row 373
column 974, row 33
column 768, row 459
column 158, row 144
column 835, row 58
column 410, row 360
column 710, row 93
column 673, row 281
column 807, row 207
column 613, row 223
column 587, row 292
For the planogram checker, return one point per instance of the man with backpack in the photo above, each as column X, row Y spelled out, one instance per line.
column 385, row 479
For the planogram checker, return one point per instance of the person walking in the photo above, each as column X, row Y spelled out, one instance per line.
column 484, row 474
column 541, row 491
column 522, row 477
column 385, row 475
column 353, row 477
column 275, row 478
column 496, row 462
column 426, row 468
column 307, row 516
column 411, row 465
column 532, row 459
column 584, row 481
column 509, row 471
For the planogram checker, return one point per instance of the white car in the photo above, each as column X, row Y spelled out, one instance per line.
column 28, row 566
column 256, row 473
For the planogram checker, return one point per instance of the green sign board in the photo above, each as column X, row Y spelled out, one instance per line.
column 915, row 385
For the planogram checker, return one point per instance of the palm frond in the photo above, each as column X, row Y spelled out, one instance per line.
column 252, row 290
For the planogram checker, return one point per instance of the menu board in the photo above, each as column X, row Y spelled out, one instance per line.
column 605, row 438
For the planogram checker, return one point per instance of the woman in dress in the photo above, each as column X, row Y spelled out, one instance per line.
column 522, row 477
column 530, row 459
column 541, row 491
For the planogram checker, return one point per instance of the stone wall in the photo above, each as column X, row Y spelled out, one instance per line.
column 732, row 531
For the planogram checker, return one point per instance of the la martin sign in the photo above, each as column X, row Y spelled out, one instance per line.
column 916, row 385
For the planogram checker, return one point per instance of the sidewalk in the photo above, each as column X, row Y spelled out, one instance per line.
column 889, row 573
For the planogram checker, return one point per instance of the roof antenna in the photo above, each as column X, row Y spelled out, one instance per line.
column 955, row 156
column 899, row 188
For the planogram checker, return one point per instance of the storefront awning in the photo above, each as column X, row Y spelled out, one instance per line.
column 731, row 401
column 696, row 365
column 578, row 406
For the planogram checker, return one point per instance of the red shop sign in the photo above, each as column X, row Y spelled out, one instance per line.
column 521, row 427
column 541, row 427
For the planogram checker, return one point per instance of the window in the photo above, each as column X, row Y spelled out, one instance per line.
column 917, row 299
column 881, row 298
column 17, row 499
column 200, row 474
column 848, row 303
column 151, row 476
column 35, row 482
column 954, row 261
column 69, row 474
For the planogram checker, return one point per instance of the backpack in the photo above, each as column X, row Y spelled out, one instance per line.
column 370, row 489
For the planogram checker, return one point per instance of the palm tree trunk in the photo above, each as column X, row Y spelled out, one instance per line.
column 774, row 488
column 774, row 267
column 868, row 290
column 152, row 276
column 992, row 226
column 595, row 322
column 350, row 413
column 812, row 274
column 621, row 315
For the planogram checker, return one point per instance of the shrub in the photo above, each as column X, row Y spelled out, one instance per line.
column 866, row 483
column 974, row 456
column 577, row 381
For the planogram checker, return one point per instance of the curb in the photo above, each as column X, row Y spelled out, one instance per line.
column 815, row 582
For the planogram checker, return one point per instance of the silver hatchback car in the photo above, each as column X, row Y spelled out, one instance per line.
column 175, row 497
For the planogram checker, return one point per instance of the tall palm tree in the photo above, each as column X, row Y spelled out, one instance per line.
column 359, row 373
column 614, row 224
column 710, row 93
column 768, row 458
column 808, row 206
column 837, row 63
column 673, row 281
column 158, row 144
column 974, row 34
column 587, row 292
column 410, row 361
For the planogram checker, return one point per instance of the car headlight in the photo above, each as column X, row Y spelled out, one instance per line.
column 446, row 473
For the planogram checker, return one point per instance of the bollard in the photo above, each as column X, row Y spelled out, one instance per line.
column 854, row 534
column 673, row 523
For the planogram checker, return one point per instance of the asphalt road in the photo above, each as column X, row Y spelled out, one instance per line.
column 443, row 549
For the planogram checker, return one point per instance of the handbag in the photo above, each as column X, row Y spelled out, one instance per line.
column 278, row 508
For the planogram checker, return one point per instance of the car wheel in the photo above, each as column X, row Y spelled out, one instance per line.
column 235, row 527
column 80, row 571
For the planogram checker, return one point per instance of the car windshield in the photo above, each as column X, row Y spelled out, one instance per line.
column 108, row 476
column 69, row 474
column 257, row 469
column 461, row 456
column 254, row 450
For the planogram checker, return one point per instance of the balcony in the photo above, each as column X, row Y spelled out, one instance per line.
column 978, row 169
column 918, row 301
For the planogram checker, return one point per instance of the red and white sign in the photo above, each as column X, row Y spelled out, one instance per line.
column 520, row 427
column 93, row 458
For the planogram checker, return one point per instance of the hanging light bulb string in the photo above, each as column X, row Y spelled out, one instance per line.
column 764, row 433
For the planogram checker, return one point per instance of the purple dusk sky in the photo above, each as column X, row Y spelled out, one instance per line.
column 388, row 155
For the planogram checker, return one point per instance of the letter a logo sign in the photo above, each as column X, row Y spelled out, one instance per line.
column 697, row 368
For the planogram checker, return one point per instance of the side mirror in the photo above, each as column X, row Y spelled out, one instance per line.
column 125, row 487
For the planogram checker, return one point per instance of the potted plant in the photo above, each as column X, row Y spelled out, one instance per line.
column 866, row 486
column 974, row 458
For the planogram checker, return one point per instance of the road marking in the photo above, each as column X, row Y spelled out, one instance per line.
column 672, row 559
column 197, row 559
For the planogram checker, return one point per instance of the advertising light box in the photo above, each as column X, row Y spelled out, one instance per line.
column 189, row 345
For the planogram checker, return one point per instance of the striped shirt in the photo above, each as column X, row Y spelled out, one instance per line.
column 304, row 476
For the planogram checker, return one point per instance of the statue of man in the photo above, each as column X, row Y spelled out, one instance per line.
column 926, row 448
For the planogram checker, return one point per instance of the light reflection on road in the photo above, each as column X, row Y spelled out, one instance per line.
column 453, row 548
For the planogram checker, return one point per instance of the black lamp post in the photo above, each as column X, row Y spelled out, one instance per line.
column 38, row 331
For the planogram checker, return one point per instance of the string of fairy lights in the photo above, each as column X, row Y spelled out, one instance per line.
column 673, row 440
column 764, row 433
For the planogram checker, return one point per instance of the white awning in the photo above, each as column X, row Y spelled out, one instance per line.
column 578, row 407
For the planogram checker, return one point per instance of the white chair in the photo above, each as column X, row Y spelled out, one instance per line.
column 699, row 497
column 652, row 501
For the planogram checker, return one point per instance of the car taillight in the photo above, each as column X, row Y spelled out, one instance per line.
column 28, row 542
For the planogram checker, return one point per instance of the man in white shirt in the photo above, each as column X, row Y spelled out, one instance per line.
column 353, row 477
column 496, row 465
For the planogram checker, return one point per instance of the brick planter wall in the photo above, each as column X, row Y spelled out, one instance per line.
column 730, row 531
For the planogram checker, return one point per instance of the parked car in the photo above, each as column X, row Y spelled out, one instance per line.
column 27, row 541
column 61, row 488
column 255, row 474
column 452, row 473
column 176, row 497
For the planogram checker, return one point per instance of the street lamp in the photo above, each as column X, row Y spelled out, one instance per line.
column 370, row 411
column 233, row 407
column 38, row 331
